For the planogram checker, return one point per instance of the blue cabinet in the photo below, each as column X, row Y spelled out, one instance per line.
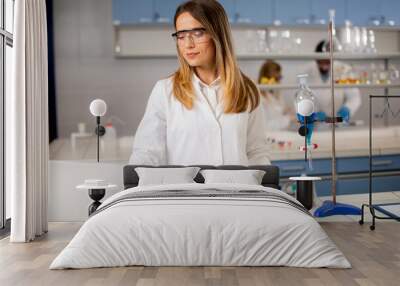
column 357, row 167
column 255, row 11
column 390, row 10
column 290, row 12
column 164, row 10
column 132, row 11
column 358, row 185
column 320, row 10
column 363, row 12
column 230, row 9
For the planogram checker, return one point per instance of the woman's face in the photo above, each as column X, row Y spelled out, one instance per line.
column 195, row 45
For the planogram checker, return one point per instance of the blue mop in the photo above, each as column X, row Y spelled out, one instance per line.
column 330, row 208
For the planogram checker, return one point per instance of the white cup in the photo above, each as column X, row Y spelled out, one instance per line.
column 81, row 127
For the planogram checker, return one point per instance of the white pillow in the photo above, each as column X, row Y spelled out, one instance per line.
column 249, row 177
column 163, row 176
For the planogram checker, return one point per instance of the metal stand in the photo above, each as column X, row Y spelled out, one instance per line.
column 96, row 195
column 329, row 208
column 372, row 207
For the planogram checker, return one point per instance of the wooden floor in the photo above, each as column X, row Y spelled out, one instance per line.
column 374, row 255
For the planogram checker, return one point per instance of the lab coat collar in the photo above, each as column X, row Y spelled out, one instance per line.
column 215, row 84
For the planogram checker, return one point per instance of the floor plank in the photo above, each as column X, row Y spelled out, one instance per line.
column 374, row 255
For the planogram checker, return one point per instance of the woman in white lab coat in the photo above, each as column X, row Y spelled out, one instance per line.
column 347, row 100
column 208, row 111
column 278, row 115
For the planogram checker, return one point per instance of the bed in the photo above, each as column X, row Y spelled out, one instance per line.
column 201, row 224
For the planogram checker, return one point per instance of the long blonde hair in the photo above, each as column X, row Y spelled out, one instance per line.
column 240, row 93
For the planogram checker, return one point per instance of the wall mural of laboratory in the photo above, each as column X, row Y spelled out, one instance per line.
column 130, row 57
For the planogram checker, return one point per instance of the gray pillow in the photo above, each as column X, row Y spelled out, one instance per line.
column 248, row 177
column 164, row 176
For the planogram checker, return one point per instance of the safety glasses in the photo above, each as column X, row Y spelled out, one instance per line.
column 197, row 35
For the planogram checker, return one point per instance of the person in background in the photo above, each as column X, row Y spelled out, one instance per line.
column 208, row 112
column 347, row 100
column 278, row 115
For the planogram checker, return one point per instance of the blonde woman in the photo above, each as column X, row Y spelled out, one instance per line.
column 208, row 111
column 278, row 115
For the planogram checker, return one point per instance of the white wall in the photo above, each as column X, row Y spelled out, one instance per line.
column 65, row 202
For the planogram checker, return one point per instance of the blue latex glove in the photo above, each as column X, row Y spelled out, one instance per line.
column 344, row 112
column 320, row 116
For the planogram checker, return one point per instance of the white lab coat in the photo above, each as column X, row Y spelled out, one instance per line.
column 349, row 97
column 274, row 110
column 171, row 134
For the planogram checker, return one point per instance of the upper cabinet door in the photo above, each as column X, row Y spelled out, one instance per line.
column 132, row 11
column 290, row 12
column 391, row 11
column 254, row 11
column 164, row 10
column 229, row 6
column 320, row 11
column 363, row 12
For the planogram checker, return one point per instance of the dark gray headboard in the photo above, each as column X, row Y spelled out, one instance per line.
column 270, row 179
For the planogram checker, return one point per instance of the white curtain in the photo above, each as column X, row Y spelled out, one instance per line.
column 27, row 123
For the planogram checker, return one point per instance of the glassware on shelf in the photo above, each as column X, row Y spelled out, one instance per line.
column 364, row 77
column 371, row 42
column 364, row 40
column 286, row 41
column 353, row 76
column 273, row 40
column 384, row 77
column 357, row 39
column 251, row 45
column 374, row 74
column 296, row 45
column 363, row 73
column 379, row 75
column 256, row 41
column 282, row 41
column 356, row 35
column 346, row 37
column 394, row 73
column 262, row 44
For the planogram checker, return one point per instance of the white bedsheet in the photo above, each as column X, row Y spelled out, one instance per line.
column 193, row 231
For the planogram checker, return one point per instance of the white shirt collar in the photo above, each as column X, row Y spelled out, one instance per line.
column 201, row 84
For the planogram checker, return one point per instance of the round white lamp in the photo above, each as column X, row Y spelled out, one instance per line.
column 98, row 108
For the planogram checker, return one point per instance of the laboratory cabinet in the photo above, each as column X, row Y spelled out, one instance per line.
column 319, row 11
column 363, row 12
column 255, row 11
column 164, row 10
column 249, row 12
column 352, row 171
column 290, row 12
column 128, row 12
column 287, row 12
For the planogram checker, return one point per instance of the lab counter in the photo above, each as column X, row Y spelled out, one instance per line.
column 284, row 145
column 350, row 142
column 352, row 151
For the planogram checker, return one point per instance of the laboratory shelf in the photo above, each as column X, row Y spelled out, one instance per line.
column 278, row 56
column 246, row 26
column 316, row 56
column 295, row 86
